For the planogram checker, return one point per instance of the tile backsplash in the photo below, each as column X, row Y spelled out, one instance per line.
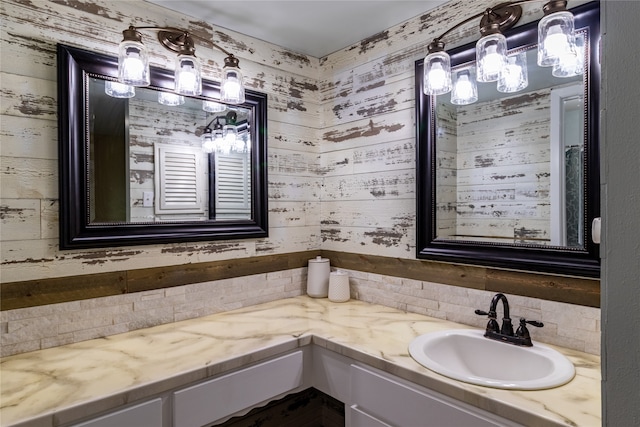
column 567, row 325
column 28, row 329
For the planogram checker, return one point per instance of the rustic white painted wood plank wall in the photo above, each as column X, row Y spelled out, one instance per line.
column 341, row 135
column 367, row 95
column 29, row 175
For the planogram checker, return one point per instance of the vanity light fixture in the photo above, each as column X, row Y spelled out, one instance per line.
column 133, row 63
column 514, row 76
column 212, row 138
column 119, row 90
column 556, row 44
column 465, row 89
column 170, row 99
column 213, row 107
column 221, row 139
column 571, row 64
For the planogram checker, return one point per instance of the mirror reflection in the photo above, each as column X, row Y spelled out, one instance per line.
column 142, row 166
column 156, row 156
column 509, row 173
column 509, row 156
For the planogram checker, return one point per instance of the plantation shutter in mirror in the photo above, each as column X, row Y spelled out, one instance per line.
column 233, row 185
column 179, row 178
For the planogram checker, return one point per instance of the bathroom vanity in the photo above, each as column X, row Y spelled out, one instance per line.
column 206, row 370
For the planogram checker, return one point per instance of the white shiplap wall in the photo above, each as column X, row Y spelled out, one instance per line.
column 29, row 176
column 341, row 158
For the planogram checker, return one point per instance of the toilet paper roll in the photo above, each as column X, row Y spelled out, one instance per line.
column 339, row 287
column 318, row 277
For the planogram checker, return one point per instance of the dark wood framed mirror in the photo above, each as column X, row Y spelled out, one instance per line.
column 118, row 159
column 498, row 184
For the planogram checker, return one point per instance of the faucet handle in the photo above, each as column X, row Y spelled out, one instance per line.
column 523, row 332
column 531, row 322
column 492, row 325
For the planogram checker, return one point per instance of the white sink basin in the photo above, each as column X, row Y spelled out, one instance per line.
column 466, row 355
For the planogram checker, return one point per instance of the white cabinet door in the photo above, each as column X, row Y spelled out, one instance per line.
column 212, row 400
column 362, row 419
column 147, row 414
column 395, row 402
column 331, row 373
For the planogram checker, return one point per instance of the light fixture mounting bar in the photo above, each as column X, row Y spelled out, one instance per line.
column 180, row 43
column 174, row 39
column 505, row 15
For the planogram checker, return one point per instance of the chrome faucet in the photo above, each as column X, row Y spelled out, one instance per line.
column 505, row 332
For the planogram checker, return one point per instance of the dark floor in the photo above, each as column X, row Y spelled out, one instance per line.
column 308, row 408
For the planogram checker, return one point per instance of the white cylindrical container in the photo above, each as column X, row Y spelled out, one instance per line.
column 339, row 286
column 318, row 277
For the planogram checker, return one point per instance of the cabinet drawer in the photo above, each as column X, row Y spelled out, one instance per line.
column 218, row 398
column 362, row 419
column 148, row 414
column 394, row 402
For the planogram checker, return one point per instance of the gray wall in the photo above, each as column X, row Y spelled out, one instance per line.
column 621, row 220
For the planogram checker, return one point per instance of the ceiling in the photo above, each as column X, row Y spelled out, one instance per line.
column 312, row 27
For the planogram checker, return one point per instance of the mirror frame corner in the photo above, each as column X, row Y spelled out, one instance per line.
column 74, row 68
column 581, row 263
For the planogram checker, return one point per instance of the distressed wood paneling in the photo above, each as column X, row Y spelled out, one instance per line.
column 394, row 213
column 395, row 126
column 495, row 164
column 293, row 136
column 99, row 23
column 79, row 287
column 396, row 240
column 294, row 163
column 370, row 101
column 63, row 289
column 287, row 214
column 20, row 219
column 30, row 31
column 27, row 178
column 165, row 277
column 287, row 187
column 25, row 96
column 29, row 137
column 296, row 238
column 341, row 140
column 557, row 288
column 48, row 291
column 370, row 186
column 392, row 155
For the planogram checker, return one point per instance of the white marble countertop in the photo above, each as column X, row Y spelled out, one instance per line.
column 58, row 385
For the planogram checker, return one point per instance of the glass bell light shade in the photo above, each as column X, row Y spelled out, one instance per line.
column 187, row 75
column 218, row 139
column 213, row 107
column 232, row 85
column 465, row 89
column 555, row 37
column 119, row 90
column 437, row 73
column 230, row 134
column 240, row 145
column 572, row 63
column 133, row 64
column 208, row 143
column 232, row 90
column 170, row 99
column 491, row 56
column 514, row 76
